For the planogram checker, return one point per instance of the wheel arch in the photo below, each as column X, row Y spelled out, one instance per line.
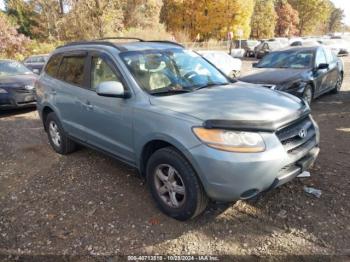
column 312, row 84
column 44, row 113
column 155, row 144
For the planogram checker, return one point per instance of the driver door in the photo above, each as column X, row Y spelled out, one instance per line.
column 320, row 75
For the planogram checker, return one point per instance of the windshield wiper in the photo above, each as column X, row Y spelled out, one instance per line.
column 211, row 85
column 170, row 91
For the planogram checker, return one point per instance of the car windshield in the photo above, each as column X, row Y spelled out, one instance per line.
column 8, row 68
column 171, row 71
column 288, row 59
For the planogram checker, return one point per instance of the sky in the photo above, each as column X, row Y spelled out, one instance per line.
column 344, row 4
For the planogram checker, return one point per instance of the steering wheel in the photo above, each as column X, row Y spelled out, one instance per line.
column 190, row 75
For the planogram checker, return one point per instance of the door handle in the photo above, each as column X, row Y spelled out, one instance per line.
column 53, row 92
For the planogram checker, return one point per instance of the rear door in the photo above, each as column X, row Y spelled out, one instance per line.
column 70, row 91
column 320, row 75
column 333, row 71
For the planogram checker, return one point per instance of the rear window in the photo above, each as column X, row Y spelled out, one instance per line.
column 53, row 65
column 72, row 70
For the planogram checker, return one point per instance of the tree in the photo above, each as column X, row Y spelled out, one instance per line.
column 91, row 19
column 264, row 19
column 141, row 13
column 335, row 23
column 204, row 19
column 11, row 42
column 23, row 14
column 287, row 19
column 312, row 14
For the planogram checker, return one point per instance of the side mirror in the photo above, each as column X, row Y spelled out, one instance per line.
column 111, row 89
column 323, row 66
column 36, row 71
column 255, row 65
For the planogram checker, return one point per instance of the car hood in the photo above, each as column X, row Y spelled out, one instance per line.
column 274, row 76
column 17, row 80
column 240, row 102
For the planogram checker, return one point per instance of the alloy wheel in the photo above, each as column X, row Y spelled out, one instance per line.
column 339, row 82
column 170, row 186
column 55, row 134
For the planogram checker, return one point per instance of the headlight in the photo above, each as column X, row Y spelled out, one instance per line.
column 3, row 91
column 233, row 141
column 295, row 86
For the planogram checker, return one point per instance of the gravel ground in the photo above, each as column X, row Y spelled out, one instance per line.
column 89, row 205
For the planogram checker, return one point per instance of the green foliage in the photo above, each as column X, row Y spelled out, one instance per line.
column 335, row 23
column 49, row 23
column 264, row 19
column 312, row 14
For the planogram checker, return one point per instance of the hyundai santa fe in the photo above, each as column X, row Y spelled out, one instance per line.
column 193, row 133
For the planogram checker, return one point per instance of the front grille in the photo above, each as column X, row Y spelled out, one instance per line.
column 293, row 141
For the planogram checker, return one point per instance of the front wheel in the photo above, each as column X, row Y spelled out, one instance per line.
column 307, row 95
column 338, row 84
column 174, row 185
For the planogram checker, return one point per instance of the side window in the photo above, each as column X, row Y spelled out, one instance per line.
column 41, row 59
column 101, row 72
column 329, row 55
column 72, row 70
column 52, row 66
column 320, row 58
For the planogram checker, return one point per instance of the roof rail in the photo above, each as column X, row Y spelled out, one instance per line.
column 107, row 43
column 166, row 42
column 104, row 41
column 121, row 38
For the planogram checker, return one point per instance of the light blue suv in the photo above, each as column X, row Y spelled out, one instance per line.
column 193, row 133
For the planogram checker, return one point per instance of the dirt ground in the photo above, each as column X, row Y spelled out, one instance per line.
column 89, row 205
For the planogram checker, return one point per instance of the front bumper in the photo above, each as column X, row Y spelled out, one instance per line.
column 228, row 176
column 9, row 100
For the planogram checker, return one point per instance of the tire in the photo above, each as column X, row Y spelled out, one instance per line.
column 338, row 84
column 166, row 170
column 308, row 94
column 58, row 139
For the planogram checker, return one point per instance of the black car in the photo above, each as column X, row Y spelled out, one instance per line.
column 306, row 72
column 266, row 47
column 36, row 62
column 16, row 85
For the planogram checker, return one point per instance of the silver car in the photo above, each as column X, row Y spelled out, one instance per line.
column 166, row 111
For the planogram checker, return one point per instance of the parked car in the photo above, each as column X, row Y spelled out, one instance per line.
column 173, row 116
column 338, row 46
column 266, row 47
column 16, row 85
column 306, row 72
column 248, row 46
column 284, row 41
column 35, row 62
column 307, row 42
column 230, row 66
